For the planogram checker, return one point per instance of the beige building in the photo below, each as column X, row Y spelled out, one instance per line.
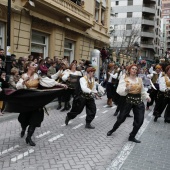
column 56, row 27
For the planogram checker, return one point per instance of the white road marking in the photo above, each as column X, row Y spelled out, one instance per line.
column 113, row 107
column 105, row 106
column 20, row 156
column 127, row 148
column 98, row 110
column 55, row 138
column 43, row 134
column 9, row 150
column 82, row 116
column 105, row 111
column 96, row 117
column 81, row 124
column 68, row 123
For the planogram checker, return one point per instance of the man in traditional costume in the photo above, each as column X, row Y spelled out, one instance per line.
column 85, row 98
column 154, row 78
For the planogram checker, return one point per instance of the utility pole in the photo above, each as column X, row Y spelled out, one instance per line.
column 8, row 48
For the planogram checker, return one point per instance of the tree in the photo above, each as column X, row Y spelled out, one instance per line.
column 127, row 38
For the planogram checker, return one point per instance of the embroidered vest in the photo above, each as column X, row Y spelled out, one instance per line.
column 155, row 78
column 32, row 84
column 89, row 84
column 135, row 87
column 167, row 81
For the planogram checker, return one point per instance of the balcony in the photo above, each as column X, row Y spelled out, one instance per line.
column 148, row 22
column 66, row 8
column 149, row 8
column 168, row 40
column 147, row 34
column 146, row 44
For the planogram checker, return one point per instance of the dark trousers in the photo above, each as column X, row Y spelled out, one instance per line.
column 111, row 91
column 153, row 95
column 138, row 111
column 78, row 107
column 120, row 103
column 167, row 111
column 160, row 104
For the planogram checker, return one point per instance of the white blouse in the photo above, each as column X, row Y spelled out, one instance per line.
column 20, row 84
column 112, row 75
column 84, row 85
column 56, row 75
column 67, row 73
column 121, row 89
column 162, row 84
column 151, row 75
column 44, row 81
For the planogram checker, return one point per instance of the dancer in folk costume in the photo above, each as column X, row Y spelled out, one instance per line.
column 163, row 99
column 154, row 78
column 34, row 117
column 84, row 98
column 112, row 80
column 131, row 87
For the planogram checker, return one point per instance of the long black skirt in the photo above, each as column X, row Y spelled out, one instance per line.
column 33, row 118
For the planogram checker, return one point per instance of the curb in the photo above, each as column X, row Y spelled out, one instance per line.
column 9, row 116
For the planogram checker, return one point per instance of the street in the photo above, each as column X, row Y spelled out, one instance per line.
column 72, row 147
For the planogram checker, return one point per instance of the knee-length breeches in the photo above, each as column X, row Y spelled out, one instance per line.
column 78, row 108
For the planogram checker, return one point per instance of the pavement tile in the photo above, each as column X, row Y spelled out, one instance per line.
column 79, row 149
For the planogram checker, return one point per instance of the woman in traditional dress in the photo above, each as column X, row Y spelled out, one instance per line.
column 132, row 87
column 67, row 79
column 33, row 119
column 112, row 76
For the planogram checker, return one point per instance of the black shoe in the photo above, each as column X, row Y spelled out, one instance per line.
column 109, row 133
column 116, row 113
column 22, row 133
column 155, row 119
column 166, row 121
column 129, row 116
column 59, row 107
column 29, row 141
column 67, row 120
column 89, row 126
column 67, row 108
column 133, row 139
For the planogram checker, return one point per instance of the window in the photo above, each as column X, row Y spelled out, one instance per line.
column 129, row 15
column 39, row 44
column 127, row 38
column 2, row 38
column 116, row 14
column 69, row 50
column 115, row 38
column 130, row 2
column 97, row 11
column 116, row 27
column 103, row 16
column 128, row 26
column 117, row 2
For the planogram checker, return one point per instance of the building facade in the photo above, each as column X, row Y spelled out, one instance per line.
column 165, row 28
column 136, row 28
column 55, row 27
